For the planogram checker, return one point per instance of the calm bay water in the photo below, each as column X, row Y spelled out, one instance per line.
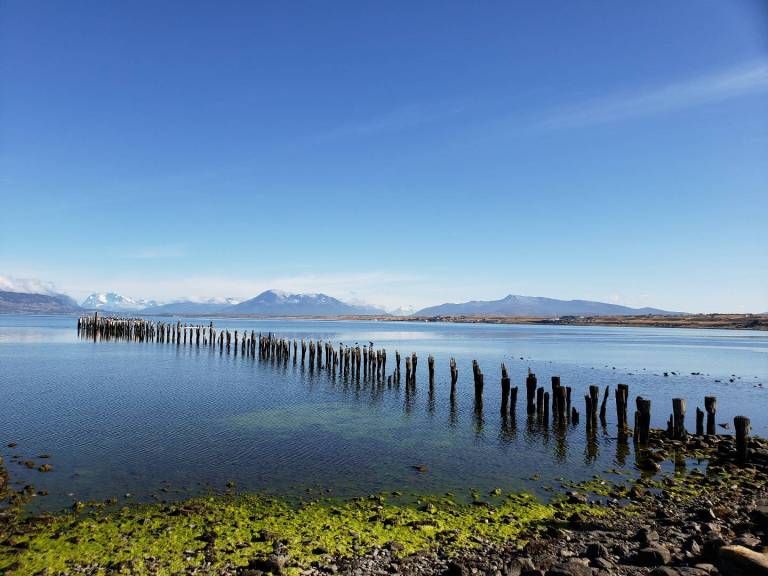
column 157, row 420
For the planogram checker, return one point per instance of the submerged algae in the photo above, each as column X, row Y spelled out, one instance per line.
column 239, row 530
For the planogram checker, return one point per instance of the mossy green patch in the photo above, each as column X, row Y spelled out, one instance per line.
column 238, row 530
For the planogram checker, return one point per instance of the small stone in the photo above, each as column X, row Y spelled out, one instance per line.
column 692, row 546
column 747, row 541
column 646, row 537
column 596, row 550
column 664, row 571
column 576, row 498
column 525, row 564
column 653, row 555
column 571, row 568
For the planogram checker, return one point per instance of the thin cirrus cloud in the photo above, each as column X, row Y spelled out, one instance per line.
column 723, row 85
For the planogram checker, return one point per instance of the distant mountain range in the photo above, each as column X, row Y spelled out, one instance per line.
column 277, row 303
column 24, row 303
column 209, row 306
column 536, row 306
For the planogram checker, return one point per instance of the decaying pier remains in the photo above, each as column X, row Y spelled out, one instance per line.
column 366, row 362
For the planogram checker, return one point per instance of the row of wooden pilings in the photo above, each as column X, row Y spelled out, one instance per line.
column 354, row 361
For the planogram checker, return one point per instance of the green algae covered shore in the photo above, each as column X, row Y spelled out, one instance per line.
column 230, row 531
column 686, row 522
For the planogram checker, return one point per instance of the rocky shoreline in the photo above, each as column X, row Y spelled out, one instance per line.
column 690, row 523
column 695, row 525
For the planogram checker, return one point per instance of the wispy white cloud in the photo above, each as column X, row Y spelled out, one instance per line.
column 397, row 120
column 723, row 85
column 26, row 285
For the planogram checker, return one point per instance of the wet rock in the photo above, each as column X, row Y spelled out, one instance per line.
column 747, row 540
column 45, row 468
column 741, row 561
column 394, row 546
column 457, row 569
column 646, row 537
column 577, row 498
column 664, row 571
column 596, row 550
column 648, row 465
column 604, row 564
column 571, row 568
column 654, row 555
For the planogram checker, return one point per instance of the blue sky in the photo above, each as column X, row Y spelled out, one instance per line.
column 394, row 153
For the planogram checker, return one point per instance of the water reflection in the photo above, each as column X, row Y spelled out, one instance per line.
column 269, row 423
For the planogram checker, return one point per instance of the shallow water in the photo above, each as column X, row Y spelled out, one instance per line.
column 157, row 420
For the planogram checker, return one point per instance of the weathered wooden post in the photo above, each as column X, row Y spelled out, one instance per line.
column 546, row 408
column 699, row 421
column 555, row 395
column 644, row 420
column 431, row 367
column 505, row 385
column 622, row 398
column 454, row 376
column 603, row 406
column 562, row 404
column 513, row 401
column 530, row 388
column 710, row 405
column 678, row 418
column 742, row 427
column 594, row 399
column 478, row 377
column 539, row 403
column 588, row 409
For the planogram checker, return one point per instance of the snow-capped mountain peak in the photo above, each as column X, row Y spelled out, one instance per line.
column 114, row 301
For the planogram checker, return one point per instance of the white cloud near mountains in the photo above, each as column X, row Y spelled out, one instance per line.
column 26, row 285
column 735, row 82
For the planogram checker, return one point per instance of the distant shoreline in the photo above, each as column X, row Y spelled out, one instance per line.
column 713, row 321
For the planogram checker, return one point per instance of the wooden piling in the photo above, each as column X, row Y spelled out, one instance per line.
column 643, row 426
column 530, row 388
column 742, row 427
column 710, row 405
column 505, row 386
column 478, row 379
column 431, row 368
column 603, row 406
column 678, row 418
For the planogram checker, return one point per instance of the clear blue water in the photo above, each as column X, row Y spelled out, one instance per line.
column 158, row 421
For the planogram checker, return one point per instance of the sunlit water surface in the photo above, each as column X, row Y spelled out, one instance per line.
column 159, row 421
